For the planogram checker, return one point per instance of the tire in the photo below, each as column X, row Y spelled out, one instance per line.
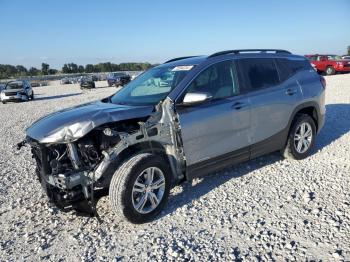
column 3, row 102
column 122, row 197
column 291, row 151
column 32, row 96
column 330, row 70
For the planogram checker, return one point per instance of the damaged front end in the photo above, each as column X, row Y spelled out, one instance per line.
column 70, row 171
column 62, row 172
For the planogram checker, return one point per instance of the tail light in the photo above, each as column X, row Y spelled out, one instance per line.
column 323, row 82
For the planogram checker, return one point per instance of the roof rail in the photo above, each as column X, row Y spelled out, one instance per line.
column 179, row 58
column 239, row 51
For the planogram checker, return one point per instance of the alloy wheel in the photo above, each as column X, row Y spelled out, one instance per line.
column 303, row 137
column 148, row 190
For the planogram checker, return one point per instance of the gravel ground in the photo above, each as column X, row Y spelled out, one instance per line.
column 265, row 209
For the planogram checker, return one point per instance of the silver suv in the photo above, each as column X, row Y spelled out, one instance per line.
column 17, row 91
column 185, row 118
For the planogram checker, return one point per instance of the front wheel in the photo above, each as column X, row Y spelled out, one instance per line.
column 140, row 188
column 301, row 138
column 330, row 70
column 32, row 96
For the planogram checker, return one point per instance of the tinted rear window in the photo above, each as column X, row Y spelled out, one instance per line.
column 287, row 67
column 259, row 72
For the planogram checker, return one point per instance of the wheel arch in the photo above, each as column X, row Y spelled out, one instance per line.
column 152, row 147
column 308, row 108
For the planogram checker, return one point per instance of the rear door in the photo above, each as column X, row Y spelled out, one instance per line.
column 219, row 126
column 272, row 96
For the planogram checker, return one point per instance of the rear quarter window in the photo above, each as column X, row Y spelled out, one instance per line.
column 287, row 67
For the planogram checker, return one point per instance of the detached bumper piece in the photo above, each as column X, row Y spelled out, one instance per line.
column 64, row 193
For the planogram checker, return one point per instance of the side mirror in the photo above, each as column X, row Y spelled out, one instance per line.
column 195, row 98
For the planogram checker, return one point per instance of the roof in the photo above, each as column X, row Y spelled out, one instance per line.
column 196, row 60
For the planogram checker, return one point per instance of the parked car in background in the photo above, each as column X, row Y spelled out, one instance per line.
column 329, row 64
column 346, row 57
column 87, row 82
column 65, row 81
column 118, row 79
column 102, row 77
column 17, row 91
column 180, row 120
column 38, row 83
column 94, row 78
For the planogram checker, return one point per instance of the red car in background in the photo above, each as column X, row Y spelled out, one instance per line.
column 329, row 64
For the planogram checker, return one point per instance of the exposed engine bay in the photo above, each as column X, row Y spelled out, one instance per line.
column 70, row 172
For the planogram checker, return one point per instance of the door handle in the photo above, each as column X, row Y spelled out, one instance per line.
column 237, row 105
column 290, row 91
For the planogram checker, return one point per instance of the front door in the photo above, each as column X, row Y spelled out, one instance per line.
column 217, row 127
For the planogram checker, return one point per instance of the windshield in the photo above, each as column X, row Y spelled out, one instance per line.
column 333, row 57
column 14, row 85
column 152, row 86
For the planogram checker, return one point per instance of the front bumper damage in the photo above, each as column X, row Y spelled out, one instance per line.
column 75, row 188
column 67, row 190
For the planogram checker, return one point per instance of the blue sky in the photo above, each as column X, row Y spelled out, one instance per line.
column 60, row 31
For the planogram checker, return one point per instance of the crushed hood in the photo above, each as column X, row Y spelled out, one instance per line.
column 71, row 124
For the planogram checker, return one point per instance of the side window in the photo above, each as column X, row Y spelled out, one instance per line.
column 287, row 68
column 219, row 80
column 259, row 72
column 321, row 58
column 313, row 58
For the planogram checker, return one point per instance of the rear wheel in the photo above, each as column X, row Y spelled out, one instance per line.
column 330, row 70
column 301, row 138
column 140, row 188
column 32, row 96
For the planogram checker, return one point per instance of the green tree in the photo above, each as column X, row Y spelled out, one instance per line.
column 21, row 70
column 45, row 68
column 81, row 69
column 349, row 50
column 53, row 71
column 65, row 69
column 7, row 71
column 89, row 68
column 33, row 71
column 73, row 67
column 70, row 68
